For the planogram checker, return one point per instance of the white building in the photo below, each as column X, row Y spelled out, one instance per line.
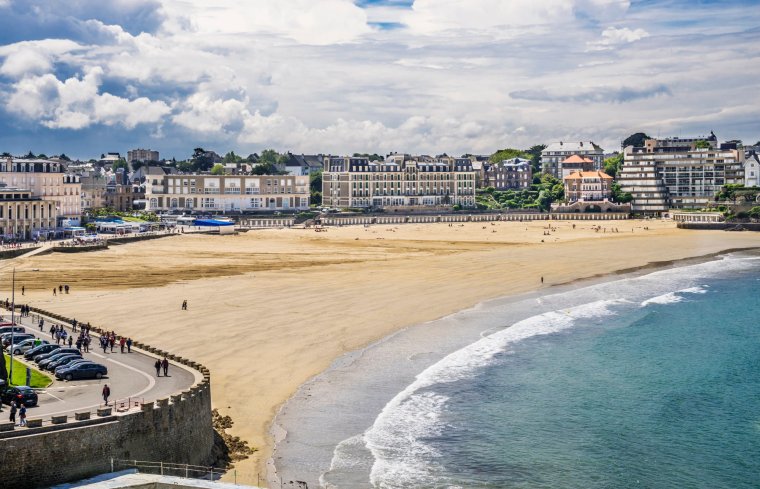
column 555, row 153
column 229, row 193
column 752, row 171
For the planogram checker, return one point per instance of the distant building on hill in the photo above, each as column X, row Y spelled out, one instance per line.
column 553, row 156
column 512, row 174
column 679, row 173
column 399, row 181
column 141, row 155
column 588, row 186
column 302, row 164
column 576, row 163
column 752, row 171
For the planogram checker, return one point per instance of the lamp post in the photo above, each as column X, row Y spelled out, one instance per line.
column 13, row 323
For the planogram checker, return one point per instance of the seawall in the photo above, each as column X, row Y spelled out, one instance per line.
column 726, row 226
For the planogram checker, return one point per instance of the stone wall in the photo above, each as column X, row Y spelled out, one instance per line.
column 726, row 226
column 177, row 429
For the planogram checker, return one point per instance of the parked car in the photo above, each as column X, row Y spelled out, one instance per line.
column 21, row 393
column 25, row 345
column 15, row 337
column 7, row 328
column 57, row 351
column 40, row 350
column 53, row 362
column 57, row 355
column 82, row 370
column 71, row 364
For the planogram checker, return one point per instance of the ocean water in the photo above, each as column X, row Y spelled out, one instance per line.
column 645, row 381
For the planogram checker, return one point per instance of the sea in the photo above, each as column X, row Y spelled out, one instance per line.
column 644, row 380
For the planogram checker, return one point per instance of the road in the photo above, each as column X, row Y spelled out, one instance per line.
column 131, row 376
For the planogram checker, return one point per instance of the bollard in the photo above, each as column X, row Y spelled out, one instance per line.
column 59, row 419
column 106, row 411
column 82, row 416
column 7, row 426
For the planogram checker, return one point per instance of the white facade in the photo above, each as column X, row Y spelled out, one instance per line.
column 238, row 193
column 752, row 171
column 555, row 153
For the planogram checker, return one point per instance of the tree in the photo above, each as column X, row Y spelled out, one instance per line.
column 619, row 196
column 136, row 164
column 201, row 161
column 269, row 156
column 265, row 169
column 64, row 157
column 231, row 157
column 121, row 163
column 636, row 139
column 218, row 169
column 535, row 157
column 702, row 144
column 613, row 164
column 754, row 213
column 185, row 166
column 372, row 157
column 3, row 369
column 508, row 154
column 30, row 156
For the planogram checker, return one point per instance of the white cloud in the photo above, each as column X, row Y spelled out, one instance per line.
column 33, row 57
column 76, row 103
column 612, row 36
column 306, row 21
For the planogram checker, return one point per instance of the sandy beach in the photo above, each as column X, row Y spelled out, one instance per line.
column 270, row 309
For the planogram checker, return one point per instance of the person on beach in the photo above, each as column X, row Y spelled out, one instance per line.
column 60, row 289
column 184, row 305
column 54, row 291
column 66, row 288
column 165, row 365
column 106, row 393
column 22, row 290
column 158, row 367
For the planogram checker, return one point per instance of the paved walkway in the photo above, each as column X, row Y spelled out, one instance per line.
column 131, row 377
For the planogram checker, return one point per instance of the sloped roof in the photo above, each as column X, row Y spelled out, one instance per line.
column 577, row 159
column 580, row 175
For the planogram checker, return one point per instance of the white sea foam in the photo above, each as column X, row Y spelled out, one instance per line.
column 673, row 297
column 396, row 439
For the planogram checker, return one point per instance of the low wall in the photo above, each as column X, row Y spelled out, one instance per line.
column 13, row 253
column 725, row 226
column 177, row 429
column 142, row 237
column 361, row 219
column 80, row 248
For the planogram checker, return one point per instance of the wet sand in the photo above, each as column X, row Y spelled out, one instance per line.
column 270, row 309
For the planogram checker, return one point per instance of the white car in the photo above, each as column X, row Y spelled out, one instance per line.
column 25, row 345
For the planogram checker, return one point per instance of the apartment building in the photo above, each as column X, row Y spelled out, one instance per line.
column 48, row 180
column 553, row 156
column 93, row 189
column 675, row 173
column 399, row 181
column 24, row 216
column 229, row 193
column 588, row 186
column 512, row 174
column 141, row 155
column 752, row 171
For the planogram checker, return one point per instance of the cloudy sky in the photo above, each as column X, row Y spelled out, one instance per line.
column 87, row 77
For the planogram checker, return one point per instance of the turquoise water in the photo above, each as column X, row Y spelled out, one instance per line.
column 633, row 386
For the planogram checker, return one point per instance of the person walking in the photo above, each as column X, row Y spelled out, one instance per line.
column 129, row 345
column 12, row 417
column 165, row 365
column 22, row 416
column 112, row 340
column 106, row 393
column 23, row 289
column 158, row 367
column 103, row 343
column 71, row 340
column 122, row 343
column 54, row 293
column 42, row 323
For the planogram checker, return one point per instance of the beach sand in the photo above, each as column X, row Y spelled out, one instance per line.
column 269, row 309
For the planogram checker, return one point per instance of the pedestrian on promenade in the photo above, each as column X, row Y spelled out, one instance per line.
column 42, row 323
column 71, row 340
column 103, row 343
column 129, row 345
column 165, row 365
column 74, row 325
column 79, row 343
column 112, row 340
column 12, row 417
column 22, row 416
column 86, row 343
column 158, row 367
column 106, row 393
column 122, row 343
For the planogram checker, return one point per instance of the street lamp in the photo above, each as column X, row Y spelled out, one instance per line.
column 13, row 323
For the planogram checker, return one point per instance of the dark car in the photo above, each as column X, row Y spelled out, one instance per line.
column 67, row 358
column 40, row 350
column 21, row 393
column 82, row 370
column 45, row 356
column 62, row 366
column 53, row 361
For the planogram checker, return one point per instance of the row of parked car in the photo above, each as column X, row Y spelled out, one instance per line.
column 65, row 362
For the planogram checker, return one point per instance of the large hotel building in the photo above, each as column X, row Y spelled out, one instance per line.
column 674, row 173
column 23, row 216
column 48, row 180
column 238, row 193
column 399, row 181
column 554, row 156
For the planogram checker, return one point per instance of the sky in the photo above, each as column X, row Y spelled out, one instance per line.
column 85, row 77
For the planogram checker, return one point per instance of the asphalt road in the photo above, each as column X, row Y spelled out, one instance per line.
column 131, row 377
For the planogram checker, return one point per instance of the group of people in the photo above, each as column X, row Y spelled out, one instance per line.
column 110, row 340
column 162, row 364
column 61, row 289
column 21, row 409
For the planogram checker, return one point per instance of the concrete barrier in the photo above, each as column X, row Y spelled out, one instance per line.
column 34, row 423
column 82, row 416
column 106, row 411
column 7, row 426
column 59, row 419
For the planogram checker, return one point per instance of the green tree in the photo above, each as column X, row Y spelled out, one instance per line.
column 269, row 156
column 636, row 139
column 613, row 164
column 121, row 163
column 185, row 166
column 372, row 157
column 702, row 144
column 136, row 165
column 619, row 196
column 218, row 169
column 754, row 213
column 3, row 369
column 64, row 157
column 231, row 157
column 266, row 169
column 508, row 154
column 535, row 157
column 201, row 161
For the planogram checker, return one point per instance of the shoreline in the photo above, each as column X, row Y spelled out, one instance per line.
column 292, row 301
column 280, row 434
